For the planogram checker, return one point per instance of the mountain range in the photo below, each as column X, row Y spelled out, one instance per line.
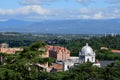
column 62, row 26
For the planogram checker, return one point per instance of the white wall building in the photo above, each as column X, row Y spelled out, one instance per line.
column 86, row 54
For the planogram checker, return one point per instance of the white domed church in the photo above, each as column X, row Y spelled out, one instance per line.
column 86, row 54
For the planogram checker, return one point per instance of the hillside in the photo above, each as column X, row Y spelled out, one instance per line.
column 63, row 26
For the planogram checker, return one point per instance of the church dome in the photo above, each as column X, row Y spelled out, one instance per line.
column 87, row 50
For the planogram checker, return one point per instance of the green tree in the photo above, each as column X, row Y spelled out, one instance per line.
column 26, row 64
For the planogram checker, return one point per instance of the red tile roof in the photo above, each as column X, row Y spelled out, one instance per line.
column 116, row 51
column 56, row 66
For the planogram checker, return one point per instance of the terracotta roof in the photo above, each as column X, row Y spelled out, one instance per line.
column 116, row 51
column 55, row 48
column 56, row 66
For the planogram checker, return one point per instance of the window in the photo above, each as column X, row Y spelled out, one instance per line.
column 92, row 58
column 88, row 60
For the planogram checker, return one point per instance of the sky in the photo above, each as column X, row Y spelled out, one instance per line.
column 36, row 10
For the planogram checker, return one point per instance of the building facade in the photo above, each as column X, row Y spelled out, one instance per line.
column 86, row 54
column 57, row 52
column 4, row 48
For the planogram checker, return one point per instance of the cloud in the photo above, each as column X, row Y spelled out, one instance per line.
column 85, row 10
column 87, row 13
column 85, row 2
column 37, row 13
column 113, row 1
column 43, row 2
column 26, row 10
column 36, row 2
column 98, row 15
column 30, row 2
column 24, row 13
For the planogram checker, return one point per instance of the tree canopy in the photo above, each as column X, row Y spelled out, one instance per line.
column 24, row 65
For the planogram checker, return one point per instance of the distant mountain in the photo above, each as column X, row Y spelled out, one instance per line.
column 63, row 26
column 14, row 25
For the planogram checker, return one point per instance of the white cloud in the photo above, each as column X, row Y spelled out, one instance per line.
column 116, row 10
column 84, row 10
column 85, row 2
column 98, row 15
column 29, row 2
column 36, row 13
column 36, row 2
column 26, row 10
column 112, row 1
column 43, row 2
column 33, row 12
column 86, row 16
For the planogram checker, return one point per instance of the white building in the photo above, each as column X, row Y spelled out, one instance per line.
column 85, row 55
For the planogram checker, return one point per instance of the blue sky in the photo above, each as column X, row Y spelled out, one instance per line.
column 59, row 9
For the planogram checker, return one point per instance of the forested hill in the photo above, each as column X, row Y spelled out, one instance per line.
column 62, row 26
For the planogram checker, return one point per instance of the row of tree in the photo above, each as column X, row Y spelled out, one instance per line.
column 74, row 45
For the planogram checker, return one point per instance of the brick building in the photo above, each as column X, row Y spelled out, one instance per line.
column 10, row 50
column 58, row 52
column 4, row 48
